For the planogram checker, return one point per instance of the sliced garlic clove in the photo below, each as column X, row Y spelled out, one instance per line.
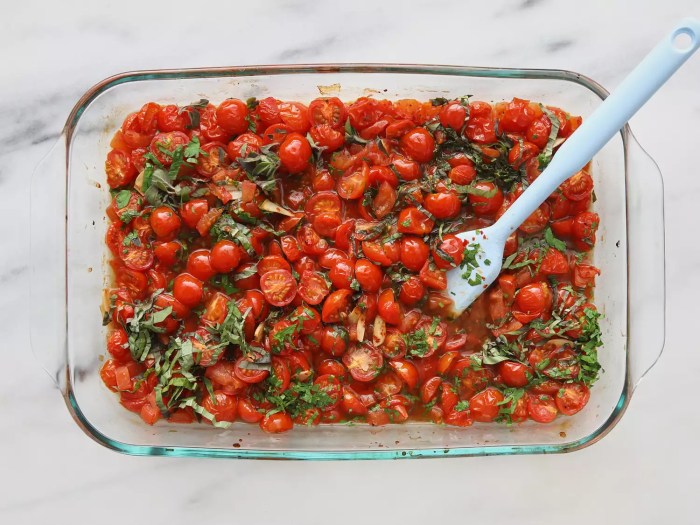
column 268, row 205
column 379, row 331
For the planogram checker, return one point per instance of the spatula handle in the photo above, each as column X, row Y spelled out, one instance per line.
column 639, row 86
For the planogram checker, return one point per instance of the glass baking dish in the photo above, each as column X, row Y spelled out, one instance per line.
column 69, row 196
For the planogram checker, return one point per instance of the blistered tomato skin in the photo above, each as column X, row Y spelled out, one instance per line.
column 279, row 263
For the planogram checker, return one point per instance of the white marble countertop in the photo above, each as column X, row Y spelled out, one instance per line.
column 645, row 471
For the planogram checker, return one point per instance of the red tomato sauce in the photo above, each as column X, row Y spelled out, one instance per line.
column 280, row 264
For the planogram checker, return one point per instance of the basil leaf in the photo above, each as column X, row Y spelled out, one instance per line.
column 473, row 190
column 226, row 228
column 193, row 149
column 249, row 365
column 161, row 315
column 210, row 389
column 123, row 198
column 553, row 241
column 244, row 274
column 199, row 409
column 546, row 156
column 187, row 354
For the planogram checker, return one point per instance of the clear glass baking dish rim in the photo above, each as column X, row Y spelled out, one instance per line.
column 648, row 257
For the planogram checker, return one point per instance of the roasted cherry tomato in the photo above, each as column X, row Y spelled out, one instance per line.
column 289, row 264
column 295, row 153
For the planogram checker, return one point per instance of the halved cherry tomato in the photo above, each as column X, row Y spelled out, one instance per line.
column 571, row 398
column 380, row 174
column 331, row 387
column 435, row 332
column 313, row 288
column 541, row 408
column 384, row 201
column 136, row 257
column 578, row 187
column 433, row 277
column 327, row 137
column 278, row 286
column 352, row 404
column 322, row 202
column 353, row 183
column 394, row 345
column 119, row 168
column 327, row 111
column 310, row 242
column 128, row 211
column 364, row 362
column 336, row 306
column 164, row 145
column 406, row 370
column 134, row 281
column 249, row 375
column 562, row 228
column 212, row 158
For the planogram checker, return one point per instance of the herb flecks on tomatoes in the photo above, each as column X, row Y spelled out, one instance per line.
column 280, row 263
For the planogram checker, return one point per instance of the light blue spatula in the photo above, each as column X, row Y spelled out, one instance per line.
column 656, row 68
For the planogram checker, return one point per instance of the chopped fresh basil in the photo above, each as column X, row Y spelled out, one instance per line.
column 122, row 198
column 553, row 241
